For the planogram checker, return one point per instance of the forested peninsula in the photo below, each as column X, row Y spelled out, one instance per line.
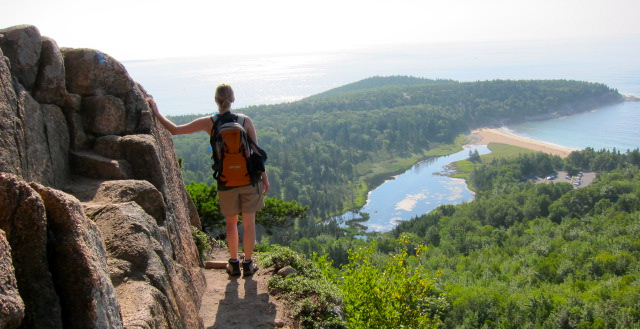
column 327, row 151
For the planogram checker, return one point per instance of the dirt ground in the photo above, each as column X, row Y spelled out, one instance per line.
column 239, row 302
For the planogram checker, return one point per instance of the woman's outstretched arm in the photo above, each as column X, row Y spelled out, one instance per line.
column 202, row 124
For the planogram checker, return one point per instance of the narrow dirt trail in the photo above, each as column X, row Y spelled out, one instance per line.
column 239, row 302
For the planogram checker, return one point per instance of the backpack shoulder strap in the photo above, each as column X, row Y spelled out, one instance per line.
column 214, row 121
column 220, row 119
column 240, row 118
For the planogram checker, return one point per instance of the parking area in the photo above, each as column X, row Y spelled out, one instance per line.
column 579, row 180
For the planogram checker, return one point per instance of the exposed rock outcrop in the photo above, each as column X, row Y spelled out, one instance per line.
column 95, row 222
column 23, row 218
column 50, row 84
column 78, row 264
column 11, row 305
column 22, row 45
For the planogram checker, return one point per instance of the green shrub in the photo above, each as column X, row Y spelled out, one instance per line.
column 314, row 298
column 203, row 242
column 395, row 295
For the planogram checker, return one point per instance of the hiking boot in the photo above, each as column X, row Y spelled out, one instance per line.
column 233, row 267
column 249, row 267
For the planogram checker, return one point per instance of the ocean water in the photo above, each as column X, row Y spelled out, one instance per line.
column 186, row 86
column 616, row 126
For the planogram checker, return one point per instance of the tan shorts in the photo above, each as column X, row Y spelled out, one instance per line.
column 241, row 199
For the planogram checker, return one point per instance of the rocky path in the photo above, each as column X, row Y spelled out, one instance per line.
column 240, row 303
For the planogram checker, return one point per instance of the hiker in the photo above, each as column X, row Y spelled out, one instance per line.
column 234, row 199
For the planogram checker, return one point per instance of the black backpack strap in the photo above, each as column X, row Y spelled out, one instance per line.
column 218, row 119
column 214, row 121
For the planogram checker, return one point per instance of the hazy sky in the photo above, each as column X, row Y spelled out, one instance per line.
column 141, row 29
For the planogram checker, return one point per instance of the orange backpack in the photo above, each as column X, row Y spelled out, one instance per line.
column 232, row 152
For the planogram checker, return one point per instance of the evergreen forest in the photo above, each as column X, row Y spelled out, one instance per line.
column 523, row 254
column 327, row 151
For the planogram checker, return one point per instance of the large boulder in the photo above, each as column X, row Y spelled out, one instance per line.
column 78, row 261
column 93, row 73
column 47, row 143
column 22, row 44
column 22, row 217
column 89, row 164
column 10, row 125
column 144, row 157
column 50, row 87
column 145, row 306
column 138, row 191
column 11, row 306
column 78, row 138
column 140, row 257
column 108, row 146
column 104, row 115
column 128, row 239
column 34, row 137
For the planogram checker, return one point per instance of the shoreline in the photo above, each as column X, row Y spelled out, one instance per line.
column 484, row 136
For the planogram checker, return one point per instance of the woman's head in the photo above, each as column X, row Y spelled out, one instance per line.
column 224, row 96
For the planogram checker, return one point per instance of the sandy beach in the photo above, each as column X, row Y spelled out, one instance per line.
column 485, row 136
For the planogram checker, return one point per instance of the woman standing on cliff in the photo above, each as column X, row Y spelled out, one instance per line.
column 233, row 200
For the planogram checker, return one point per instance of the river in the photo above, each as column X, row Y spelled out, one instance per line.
column 415, row 192
column 423, row 187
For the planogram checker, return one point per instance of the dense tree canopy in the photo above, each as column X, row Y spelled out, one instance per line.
column 521, row 255
column 322, row 149
column 543, row 256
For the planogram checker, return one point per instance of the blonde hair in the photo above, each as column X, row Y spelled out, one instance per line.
column 224, row 96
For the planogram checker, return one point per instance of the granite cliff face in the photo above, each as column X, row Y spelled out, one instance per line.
column 95, row 223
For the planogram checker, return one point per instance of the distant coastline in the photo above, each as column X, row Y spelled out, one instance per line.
column 631, row 98
column 484, row 136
